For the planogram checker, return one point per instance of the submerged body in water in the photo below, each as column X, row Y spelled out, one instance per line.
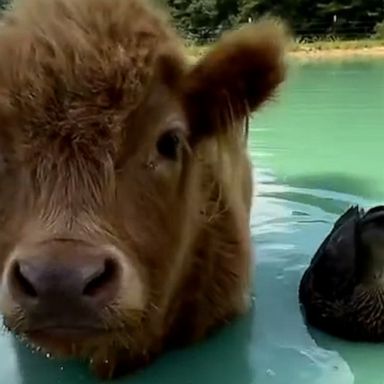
column 342, row 291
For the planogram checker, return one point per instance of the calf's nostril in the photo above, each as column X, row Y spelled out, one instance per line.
column 100, row 282
column 21, row 282
column 80, row 279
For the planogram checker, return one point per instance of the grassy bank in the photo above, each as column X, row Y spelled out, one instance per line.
column 338, row 49
column 321, row 49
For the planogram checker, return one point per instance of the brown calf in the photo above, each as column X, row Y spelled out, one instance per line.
column 125, row 183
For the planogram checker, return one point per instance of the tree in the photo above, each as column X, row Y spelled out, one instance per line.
column 204, row 19
column 3, row 4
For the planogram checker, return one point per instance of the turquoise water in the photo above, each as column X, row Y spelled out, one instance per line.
column 317, row 150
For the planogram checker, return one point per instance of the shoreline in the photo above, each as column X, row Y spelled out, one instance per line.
column 322, row 51
column 303, row 53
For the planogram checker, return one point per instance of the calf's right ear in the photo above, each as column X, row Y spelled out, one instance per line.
column 235, row 77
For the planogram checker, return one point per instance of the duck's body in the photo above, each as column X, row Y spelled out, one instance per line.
column 342, row 291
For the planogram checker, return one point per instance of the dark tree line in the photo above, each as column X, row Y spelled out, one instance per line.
column 203, row 19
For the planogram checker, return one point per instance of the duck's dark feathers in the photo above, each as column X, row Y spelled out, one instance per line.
column 342, row 290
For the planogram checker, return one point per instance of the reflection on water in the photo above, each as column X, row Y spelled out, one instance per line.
column 316, row 152
column 364, row 360
column 289, row 222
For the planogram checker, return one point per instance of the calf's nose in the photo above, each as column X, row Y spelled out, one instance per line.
column 67, row 284
column 33, row 281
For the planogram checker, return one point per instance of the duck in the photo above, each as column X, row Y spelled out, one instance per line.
column 341, row 292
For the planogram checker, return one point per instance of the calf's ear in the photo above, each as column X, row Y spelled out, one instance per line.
column 240, row 72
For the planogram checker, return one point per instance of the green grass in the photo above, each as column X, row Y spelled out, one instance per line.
column 197, row 51
column 338, row 44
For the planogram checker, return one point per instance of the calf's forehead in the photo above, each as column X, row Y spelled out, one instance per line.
column 69, row 72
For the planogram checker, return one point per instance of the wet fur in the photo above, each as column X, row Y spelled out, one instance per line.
column 83, row 84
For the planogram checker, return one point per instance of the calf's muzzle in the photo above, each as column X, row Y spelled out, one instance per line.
column 63, row 284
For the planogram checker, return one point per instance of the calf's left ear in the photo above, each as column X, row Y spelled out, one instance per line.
column 240, row 73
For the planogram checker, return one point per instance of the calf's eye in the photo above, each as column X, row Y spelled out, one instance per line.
column 168, row 144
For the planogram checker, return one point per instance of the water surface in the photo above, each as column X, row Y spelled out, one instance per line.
column 316, row 151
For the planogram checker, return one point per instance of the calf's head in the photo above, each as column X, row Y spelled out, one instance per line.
column 102, row 120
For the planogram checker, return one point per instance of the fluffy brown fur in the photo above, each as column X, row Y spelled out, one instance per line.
column 87, row 88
